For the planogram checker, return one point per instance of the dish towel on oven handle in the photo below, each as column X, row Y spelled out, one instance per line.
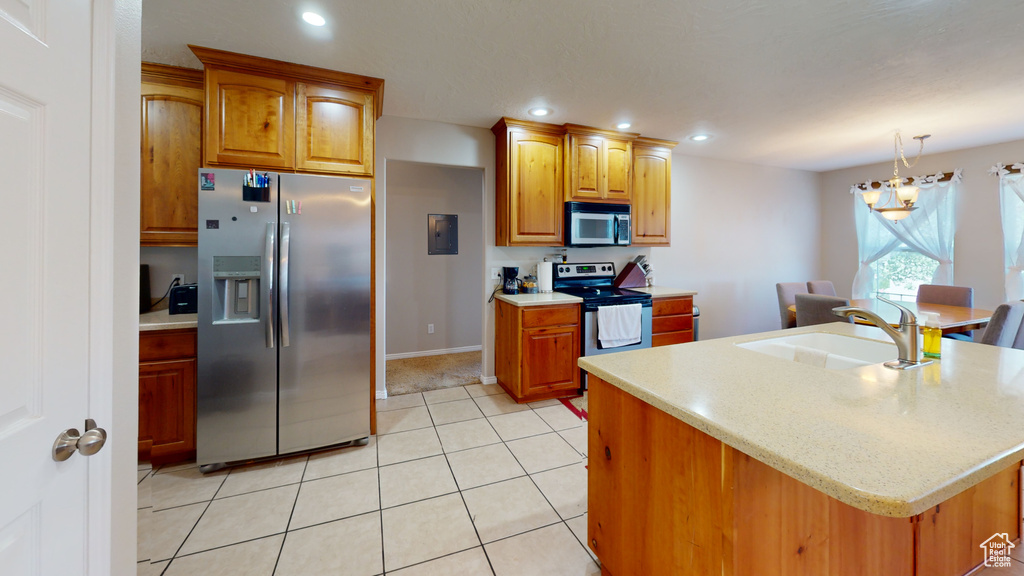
column 618, row 325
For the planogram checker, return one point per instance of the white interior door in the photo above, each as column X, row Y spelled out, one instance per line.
column 46, row 80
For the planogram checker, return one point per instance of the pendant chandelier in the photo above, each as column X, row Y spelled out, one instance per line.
column 899, row 202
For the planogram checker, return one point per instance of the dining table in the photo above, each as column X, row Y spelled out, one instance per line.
column 952, row 319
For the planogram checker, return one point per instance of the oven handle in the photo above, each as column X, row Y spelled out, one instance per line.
column 647, row 303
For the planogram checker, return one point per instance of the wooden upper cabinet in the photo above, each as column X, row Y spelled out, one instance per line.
column 171, row 154
column 529, row 208
column 333, row 129
column 585, row 166
column 599, row 165
column 288, row 117
column 652, row 192
column 618, row 167
column 250, row 119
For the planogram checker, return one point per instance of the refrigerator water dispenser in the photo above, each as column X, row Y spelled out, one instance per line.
column 236, row 282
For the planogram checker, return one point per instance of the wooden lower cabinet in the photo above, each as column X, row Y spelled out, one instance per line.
column 167, row 395
column 672, row 320
column 665, row 498
column 536, row 349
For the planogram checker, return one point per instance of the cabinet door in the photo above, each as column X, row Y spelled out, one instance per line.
column 251, row 120
column 536, row 200
column 586, row 166
column 167, row 409
column 652, row 192
column 617, row 165
column 171, row 146
column 549, row 359
column 333, row 130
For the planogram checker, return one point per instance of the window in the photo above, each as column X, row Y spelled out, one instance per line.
column 900, row 272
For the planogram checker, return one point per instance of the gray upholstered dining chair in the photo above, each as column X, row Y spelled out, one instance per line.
column 814, row 309
column 1006, row 328
column 962, row 296
column 786, row 292
column 821, row 287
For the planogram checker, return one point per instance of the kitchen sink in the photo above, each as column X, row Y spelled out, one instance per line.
column 840, row 352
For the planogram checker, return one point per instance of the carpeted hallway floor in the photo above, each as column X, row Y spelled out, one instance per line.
column 425, row 373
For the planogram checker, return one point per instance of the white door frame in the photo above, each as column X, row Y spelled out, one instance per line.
column 113, row 284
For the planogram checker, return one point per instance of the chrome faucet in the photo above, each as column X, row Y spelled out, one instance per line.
column 905, row 336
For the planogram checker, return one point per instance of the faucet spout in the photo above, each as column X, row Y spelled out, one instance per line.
column 905, row 336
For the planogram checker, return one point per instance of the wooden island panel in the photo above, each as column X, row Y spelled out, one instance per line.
column 665, row 498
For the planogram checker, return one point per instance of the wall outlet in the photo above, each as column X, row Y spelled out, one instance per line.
column 495, row 273
column 430, row 328
column 179, row 277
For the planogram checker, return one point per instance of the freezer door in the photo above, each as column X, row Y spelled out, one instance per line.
column 325, row 311
column 237, row 367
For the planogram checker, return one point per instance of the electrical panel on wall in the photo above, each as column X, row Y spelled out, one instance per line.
column 442, row 234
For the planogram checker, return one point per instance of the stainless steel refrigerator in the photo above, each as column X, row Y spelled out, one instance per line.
column 284, row 314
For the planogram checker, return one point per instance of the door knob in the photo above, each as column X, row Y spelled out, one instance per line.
column 93, row 439
column 70, row 440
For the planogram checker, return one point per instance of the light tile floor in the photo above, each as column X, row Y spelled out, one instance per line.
column 458, row 481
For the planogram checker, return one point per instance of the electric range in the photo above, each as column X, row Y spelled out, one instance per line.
column 593, row 282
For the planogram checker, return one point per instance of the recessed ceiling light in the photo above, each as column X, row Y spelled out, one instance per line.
column 623, row 125
column 313, row 18
column 699, row 137
column 540, row 111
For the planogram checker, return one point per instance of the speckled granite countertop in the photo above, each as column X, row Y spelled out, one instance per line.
column 161, row 320
column 664, row 291
column 893, row 443
column 538, row 299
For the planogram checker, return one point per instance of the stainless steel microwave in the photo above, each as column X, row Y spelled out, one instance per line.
column 591, row 224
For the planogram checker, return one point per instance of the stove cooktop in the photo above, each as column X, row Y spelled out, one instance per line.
column 591, row 292
column 594, row 296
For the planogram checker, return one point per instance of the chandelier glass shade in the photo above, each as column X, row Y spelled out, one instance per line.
column 899, row 198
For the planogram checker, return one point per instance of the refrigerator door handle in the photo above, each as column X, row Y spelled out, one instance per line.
column 285, row 241
column 268, row 280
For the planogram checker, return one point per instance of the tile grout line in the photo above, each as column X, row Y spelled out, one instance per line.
column 291, row 514
column 198, row 520
column 545, row 496
column 462, row 496
column 586, row 508
column 380, row 504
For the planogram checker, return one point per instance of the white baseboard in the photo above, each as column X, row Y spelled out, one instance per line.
column 488, row 379
column 400, row 355
column 382, row 394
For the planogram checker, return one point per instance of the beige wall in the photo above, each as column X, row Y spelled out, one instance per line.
column 737, row 230
column 978, row 254
column 422, row 289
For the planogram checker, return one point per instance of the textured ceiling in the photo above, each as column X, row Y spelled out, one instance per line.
column 808, row 84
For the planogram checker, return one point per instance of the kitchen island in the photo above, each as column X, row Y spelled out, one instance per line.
column 708, row 458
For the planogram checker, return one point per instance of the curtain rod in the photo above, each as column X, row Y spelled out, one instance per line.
column 1015, row 168
column 946, row 177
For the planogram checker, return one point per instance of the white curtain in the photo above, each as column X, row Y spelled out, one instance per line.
column 930, row 229
column 1011, row 209
column 873, row 242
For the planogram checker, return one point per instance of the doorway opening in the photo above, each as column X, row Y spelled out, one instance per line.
column 433, row 332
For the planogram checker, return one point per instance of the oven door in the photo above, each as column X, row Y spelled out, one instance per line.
column 592, row 347
column 591, row 229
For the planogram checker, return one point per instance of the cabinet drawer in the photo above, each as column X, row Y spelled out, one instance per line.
column 551, row 316
column 669, row 306
column 167, row 345
column 675, row 323
column 672, row 338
